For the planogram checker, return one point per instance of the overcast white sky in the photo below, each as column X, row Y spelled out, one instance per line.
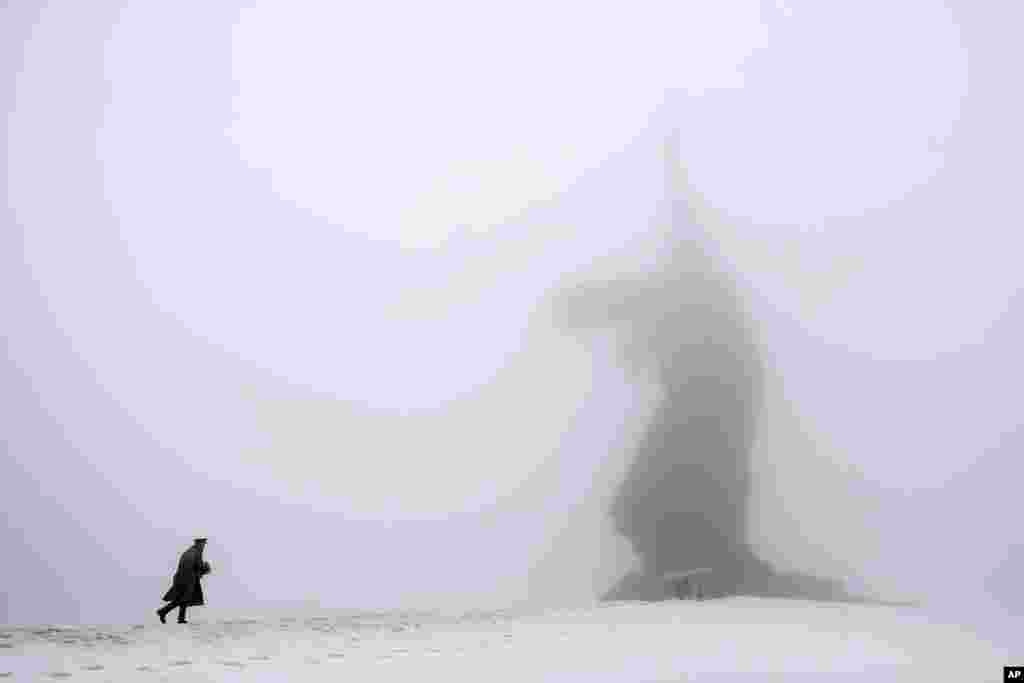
column 277, row 275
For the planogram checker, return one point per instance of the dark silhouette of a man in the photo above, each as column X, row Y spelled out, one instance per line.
column 186, row 591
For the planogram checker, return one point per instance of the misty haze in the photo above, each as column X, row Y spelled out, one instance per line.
column 497, row 310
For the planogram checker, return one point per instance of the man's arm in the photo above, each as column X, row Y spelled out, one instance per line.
column 198, row 565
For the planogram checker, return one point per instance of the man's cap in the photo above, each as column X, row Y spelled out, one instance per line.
column 200, row 540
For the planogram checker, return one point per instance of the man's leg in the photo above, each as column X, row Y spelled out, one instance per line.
column 162, row 612
column 181, row 613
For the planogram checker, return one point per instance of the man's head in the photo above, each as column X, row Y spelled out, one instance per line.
column 200, row 542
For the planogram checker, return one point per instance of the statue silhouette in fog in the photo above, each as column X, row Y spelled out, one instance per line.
column 684, row 501
column 187, row 589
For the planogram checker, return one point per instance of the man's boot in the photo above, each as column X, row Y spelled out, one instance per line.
column 163, row 616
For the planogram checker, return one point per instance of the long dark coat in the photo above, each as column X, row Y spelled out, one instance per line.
column 186, row 588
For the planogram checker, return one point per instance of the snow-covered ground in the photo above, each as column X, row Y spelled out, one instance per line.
column 620, row 641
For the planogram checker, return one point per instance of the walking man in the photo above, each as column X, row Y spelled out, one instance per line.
column 186, row 591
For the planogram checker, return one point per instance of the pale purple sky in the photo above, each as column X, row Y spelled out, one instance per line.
column 280, row 276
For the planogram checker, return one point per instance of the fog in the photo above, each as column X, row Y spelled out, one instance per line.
column 446, row 306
